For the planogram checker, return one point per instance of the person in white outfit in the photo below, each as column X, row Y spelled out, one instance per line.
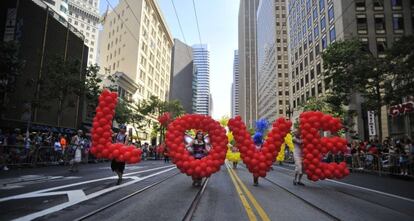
column 297, row 155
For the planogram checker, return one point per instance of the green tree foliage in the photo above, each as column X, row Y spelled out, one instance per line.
column 400, row 81
column 351, row 68
column 93, row 83
column 10, row 68
column 63, row 80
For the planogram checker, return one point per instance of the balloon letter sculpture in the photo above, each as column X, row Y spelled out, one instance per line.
column 102, row 146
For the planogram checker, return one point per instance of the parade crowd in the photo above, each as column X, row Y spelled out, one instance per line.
column 19, row 149
column 22, row 149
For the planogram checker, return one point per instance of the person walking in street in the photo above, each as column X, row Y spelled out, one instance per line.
column 297, row 155
column 198, row 148
column 116, row 166
column 76, row 151
column 258, row 142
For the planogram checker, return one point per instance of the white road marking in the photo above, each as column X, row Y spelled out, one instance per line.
column 78, row 196
column 77, row 184
column 364, row 188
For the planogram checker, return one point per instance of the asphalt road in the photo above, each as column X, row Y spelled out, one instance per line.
column 154, row 191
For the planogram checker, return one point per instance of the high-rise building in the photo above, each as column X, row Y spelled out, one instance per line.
column 313, row 25
column 41, row 34
column 60, row 7
column 272, row 57
column 235, row 89
column 248, row 60
column 182, row 71
column 201, row 56
column 84, row 16
column 136, row 41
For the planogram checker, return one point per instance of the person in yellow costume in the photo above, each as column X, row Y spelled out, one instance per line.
column 233, row 153
column 289, row 142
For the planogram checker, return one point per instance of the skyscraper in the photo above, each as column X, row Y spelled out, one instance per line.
column 140, row 49
column 60, row 7
column 235, row 90
column 182, row 71
column 84, row 16
column 313, row 25
column 248, row 60
column 201, row 57
column 273, row 78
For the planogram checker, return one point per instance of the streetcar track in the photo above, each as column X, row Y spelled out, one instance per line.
column 304, row 200
column 339, row 190
column 125, row 198
column 194, row 204
column 301, row 198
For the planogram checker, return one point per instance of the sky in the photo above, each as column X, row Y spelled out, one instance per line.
column 218, row 27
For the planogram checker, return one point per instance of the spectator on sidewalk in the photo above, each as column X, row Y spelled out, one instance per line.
column 297, row 155
column 76, row 151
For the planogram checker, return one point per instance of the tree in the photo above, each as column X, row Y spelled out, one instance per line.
column 400, row 66
column 321, row 104
column 350, row 68
column 93, row 83
column 10, row 68
column 63, row 80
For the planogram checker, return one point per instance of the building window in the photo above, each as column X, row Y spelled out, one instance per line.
column 309, row 22
column 308, row 5
column 318, row 69
column 378, row 5
column 362, row 24
column 315, row 13
column 379, row 24
column 381, row 45
column 310, row 39
column 332, row 34
column 306, row 79
column 360, row 5
column 317, row 50
column 311, row 55
column 396, row 4
column 316, row 31
column 331, row 15
column 312, row 74
column 323, row 23
column 319, row 88
column 313, row 92
column 398, row 23
column 364, row 44
column 324, row 42
column 321, row 5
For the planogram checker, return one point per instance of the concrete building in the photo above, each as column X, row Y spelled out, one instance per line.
column 273, row 77
column 313, row 25
column 61, row 8
column 235, row 90
column 41, row 34
column 201, row 56
column 136, row 41
column 182, row 71
column 248, row 60
column 84, row 16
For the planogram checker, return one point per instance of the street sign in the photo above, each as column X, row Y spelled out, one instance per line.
column 371, row 124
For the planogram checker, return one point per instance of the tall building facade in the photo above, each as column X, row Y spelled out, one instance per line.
column 235, row 90
column 201, row 56
column 272, row 54
column 84, row 16
column 248, row 60
column 137, row 42
column 313, row 25
column 61, row 7
column 41, row 35
column 182, row 71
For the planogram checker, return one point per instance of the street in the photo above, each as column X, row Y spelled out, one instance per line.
column 153, row 190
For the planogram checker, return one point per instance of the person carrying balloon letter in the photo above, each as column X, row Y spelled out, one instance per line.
column 116, row 166
column 199, row 148
column 297, row 156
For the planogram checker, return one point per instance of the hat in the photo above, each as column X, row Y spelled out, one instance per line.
column 122, row 127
